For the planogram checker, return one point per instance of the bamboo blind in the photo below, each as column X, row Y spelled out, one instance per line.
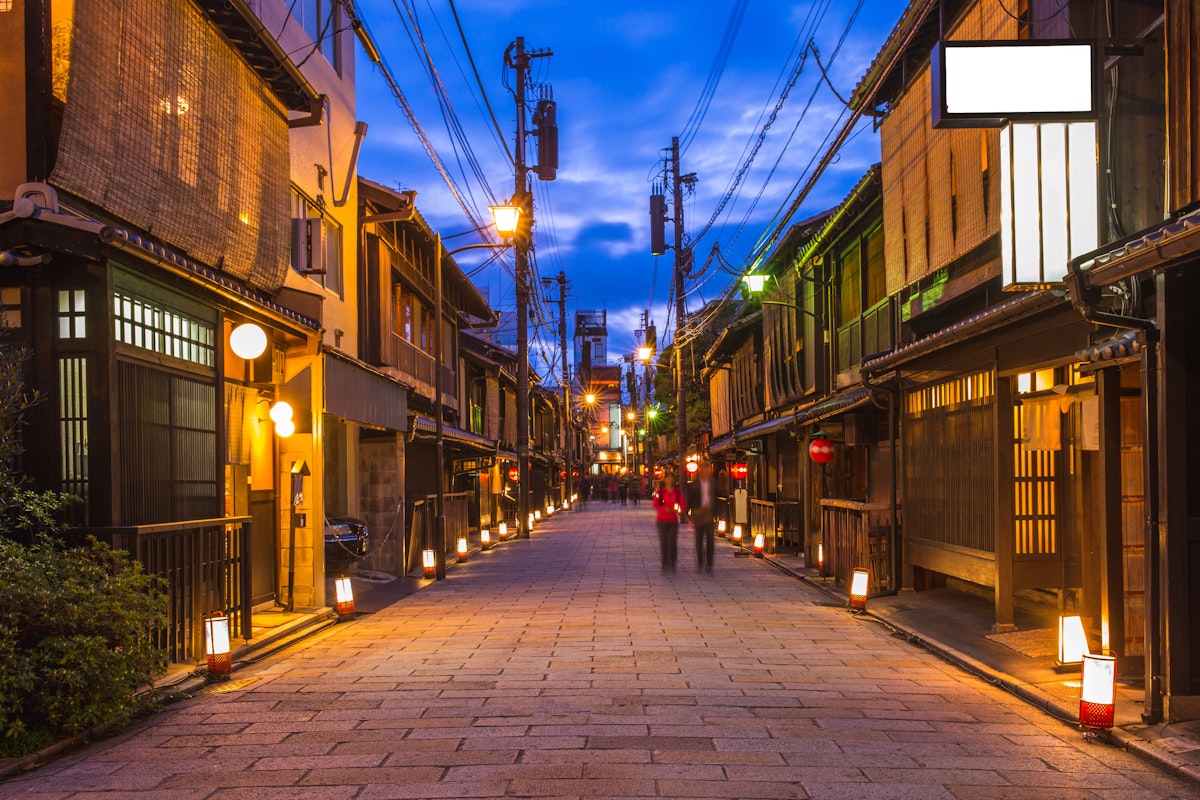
column 937, row 204
column 168, row 128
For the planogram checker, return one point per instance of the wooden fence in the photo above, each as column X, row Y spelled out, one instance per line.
column 206, row 566
column 856, row 534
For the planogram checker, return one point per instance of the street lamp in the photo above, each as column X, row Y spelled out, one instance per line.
column 644, row 354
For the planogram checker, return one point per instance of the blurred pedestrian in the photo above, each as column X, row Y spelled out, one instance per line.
column 635, row 489
column 623, row 491
column 669, row 506
column 612, row 489
column 701, row 510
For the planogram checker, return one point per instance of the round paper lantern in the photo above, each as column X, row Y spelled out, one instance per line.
column 820, row 450
column 739, row 470
column 513, row 474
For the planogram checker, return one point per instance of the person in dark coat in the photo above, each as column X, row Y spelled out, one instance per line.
column 702, row 511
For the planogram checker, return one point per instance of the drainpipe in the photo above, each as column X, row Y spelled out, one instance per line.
column 360, row 132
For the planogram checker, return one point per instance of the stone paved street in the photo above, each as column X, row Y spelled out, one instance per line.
column 570, row 666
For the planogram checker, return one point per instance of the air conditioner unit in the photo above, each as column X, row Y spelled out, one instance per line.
column 308, row 246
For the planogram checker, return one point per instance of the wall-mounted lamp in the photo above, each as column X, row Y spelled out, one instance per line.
column 248, row 341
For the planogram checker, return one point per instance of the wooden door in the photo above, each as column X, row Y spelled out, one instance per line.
column 263, row 547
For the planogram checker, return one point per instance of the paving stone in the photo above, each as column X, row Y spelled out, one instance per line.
column 569, row 666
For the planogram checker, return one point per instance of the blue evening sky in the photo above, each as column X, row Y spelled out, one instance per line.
column 626, row 78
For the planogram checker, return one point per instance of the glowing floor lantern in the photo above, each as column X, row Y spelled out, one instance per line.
column 721, row 528
column 737, row 535
column 821, row 558
column 502, row 531
column 428, row 563
column 537, row 515
column 550, row 511
column 485, row 540
column 759, row 544
column 1097, row 697
column 345, row 595
column 532, row 517
column 860, row 580
column 460, row 547
column 1072, row 642
column 216, row 644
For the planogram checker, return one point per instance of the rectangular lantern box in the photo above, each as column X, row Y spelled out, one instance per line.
column 345, row 595
column 502, row 530
column 216, row 644
column 461, row 548
column 860, row 581
column 759, row 545
column 485, row 540
column 1097, row 694
column 428, row 564
column 721, row 528
column 1072, row 642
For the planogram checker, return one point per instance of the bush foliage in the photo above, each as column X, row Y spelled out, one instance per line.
column 75, row 639
column 75, row 623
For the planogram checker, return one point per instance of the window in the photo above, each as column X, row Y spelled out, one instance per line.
column 412, row 320
column 316, row 244
column 876, row 278
column 72, row 320
column 145, row 324
column 10, row 307
column 322, row 21
column 851, row 288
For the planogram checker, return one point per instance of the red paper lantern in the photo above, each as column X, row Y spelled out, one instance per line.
column 513, row 474
column 692, row 467
column 820, row 450
column 739, row 470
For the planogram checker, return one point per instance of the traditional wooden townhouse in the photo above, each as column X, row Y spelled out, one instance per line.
column 398, row 337
column 1031, row 447
column 166, row 234
column 832, row 303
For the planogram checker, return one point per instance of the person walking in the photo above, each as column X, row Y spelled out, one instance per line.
column 669, row 506
column 635, row 489
column 701, row 510
column 623, row 491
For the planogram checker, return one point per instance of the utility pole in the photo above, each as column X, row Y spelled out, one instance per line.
column 566, row 384
column 681, row 262
column 518, row 58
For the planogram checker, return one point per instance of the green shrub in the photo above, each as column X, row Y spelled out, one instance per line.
column 75, row 639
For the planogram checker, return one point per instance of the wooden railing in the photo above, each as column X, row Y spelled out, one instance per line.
column 858, row 534
column 422, row 367
column 206, row 566
column 422, row 516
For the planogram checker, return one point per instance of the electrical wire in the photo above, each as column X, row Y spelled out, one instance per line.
column 709, row 90
column 479, row 83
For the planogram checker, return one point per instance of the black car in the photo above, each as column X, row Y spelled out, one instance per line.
column 346, row 538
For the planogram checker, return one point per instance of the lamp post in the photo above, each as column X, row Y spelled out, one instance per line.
column 505, row 219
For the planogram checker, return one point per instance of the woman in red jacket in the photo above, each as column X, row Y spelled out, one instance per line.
column 669, row 508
